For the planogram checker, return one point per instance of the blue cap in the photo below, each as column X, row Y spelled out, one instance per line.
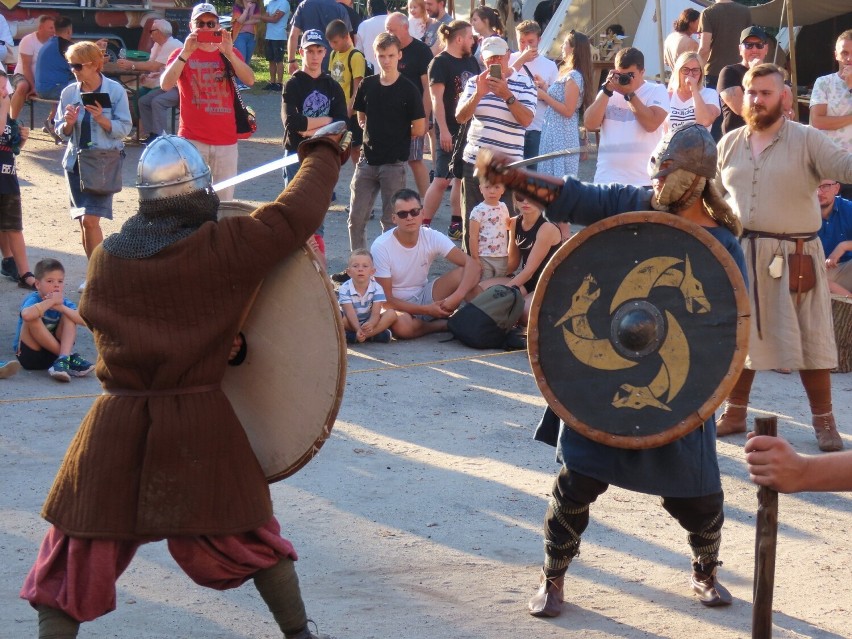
column 312, row 37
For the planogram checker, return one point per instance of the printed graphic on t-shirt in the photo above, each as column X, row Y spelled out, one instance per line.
column 210, row 91
column 336, row 70
column 316, row 105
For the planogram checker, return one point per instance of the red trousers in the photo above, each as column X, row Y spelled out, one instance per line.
column 78, row 576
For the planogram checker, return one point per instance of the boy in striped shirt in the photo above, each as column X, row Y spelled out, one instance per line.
column 361, row 301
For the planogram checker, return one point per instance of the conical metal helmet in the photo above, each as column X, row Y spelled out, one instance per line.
column 690, row 148
column 171, row 166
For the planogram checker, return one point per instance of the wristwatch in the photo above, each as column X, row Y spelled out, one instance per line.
column 511, row 100
column 606, row 91
column 629, row 96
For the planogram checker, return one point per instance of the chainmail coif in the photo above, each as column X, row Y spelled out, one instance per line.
column 160, row 223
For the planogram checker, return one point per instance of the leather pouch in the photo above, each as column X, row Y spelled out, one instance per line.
column 802, row 271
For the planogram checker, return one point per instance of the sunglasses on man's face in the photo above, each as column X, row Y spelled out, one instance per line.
column 753, row 45
column 404, row 214
column 77, row 66
column 210, row 24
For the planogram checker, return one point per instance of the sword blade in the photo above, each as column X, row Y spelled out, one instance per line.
column 257, row 171
column 549, row 156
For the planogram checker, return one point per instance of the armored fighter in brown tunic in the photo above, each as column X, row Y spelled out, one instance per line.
column 161, row 454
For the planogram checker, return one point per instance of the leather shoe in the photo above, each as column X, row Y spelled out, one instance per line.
column 828, row 438
column 732, row 421
column 547, row 602
column 710, row 592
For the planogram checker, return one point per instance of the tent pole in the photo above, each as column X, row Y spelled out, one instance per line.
column 661, row 38
column 793, row 75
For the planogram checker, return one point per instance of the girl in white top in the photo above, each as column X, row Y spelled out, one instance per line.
column 689, row 100
column 418, row 19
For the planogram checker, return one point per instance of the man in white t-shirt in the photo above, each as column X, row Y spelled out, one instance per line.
column 629, row 112
column 154, row 103
column 831, row 100
column 370, row 28
column 403, row 256
column 24, row 79
column 532, row 63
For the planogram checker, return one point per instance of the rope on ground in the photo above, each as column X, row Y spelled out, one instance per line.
column 389, row 367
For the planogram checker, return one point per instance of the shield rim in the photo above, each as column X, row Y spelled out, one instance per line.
column 708, row 407
column 238, row 208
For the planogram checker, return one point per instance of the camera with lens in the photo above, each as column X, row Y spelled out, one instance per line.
column 624, row 78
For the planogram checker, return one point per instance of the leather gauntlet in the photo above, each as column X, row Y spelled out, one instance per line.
column 334, row 134
column 544, row 189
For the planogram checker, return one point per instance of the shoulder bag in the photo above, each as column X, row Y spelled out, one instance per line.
column 246, row 120
column 100, row 170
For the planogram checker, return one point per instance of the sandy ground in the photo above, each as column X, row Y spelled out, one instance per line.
column 421, row 516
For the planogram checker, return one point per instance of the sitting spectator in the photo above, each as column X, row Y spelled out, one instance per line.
column 24, row 79
column 680, row 40
column 418, row 19
column 361, row 302
column 347, row 66
column 51, row 71
column 403, row 257
column 489, row 232
column 836, row 236
column 564, row 100
column 499, row 110
column 92, row 126
column 47, row 327
column 630, row 124
column 154, row 103
column 690, row 101
column 532, row 242
column 612, row 41
column 11, row 218
column 8, row 369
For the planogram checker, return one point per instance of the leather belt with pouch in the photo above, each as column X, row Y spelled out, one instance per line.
column 801, row 267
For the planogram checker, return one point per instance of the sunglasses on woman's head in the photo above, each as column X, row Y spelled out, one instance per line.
column 404, row 214
column 210, row 24
column 77, row 66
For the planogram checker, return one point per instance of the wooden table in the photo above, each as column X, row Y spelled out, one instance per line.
column 130, row 80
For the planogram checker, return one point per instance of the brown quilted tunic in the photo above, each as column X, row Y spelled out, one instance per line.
column 178, row 464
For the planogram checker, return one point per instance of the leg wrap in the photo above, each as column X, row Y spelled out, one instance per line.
column 817, row 385
column 55, row 624
column 566, row 519
column 702, row 517
column 279, row 587
column 739, row 394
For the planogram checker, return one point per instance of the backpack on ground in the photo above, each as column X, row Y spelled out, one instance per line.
column 485, row 321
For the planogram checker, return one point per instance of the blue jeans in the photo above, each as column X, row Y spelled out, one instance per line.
column 245, row 45
column 532, row 142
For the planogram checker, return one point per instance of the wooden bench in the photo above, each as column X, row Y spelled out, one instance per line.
column 31, row 102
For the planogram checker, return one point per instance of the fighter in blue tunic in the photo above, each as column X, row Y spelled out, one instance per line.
column 685, row 473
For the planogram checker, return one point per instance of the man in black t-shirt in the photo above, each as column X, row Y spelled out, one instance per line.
column 753, row 49
column 448, row 73
column 390, row 110
column 414, row 65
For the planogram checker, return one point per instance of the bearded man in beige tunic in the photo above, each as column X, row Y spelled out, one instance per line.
column 769, row 171
column 161, row 453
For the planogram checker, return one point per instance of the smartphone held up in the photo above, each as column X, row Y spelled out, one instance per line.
column 495, row 71
column 209, row 37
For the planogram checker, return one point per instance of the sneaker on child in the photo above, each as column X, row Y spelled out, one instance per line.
column 61, row 369
column 455, row 231
column 79, row 367
column 7, row 369
column 382, row 338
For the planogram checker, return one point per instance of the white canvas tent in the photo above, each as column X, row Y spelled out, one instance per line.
column 644, row 29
